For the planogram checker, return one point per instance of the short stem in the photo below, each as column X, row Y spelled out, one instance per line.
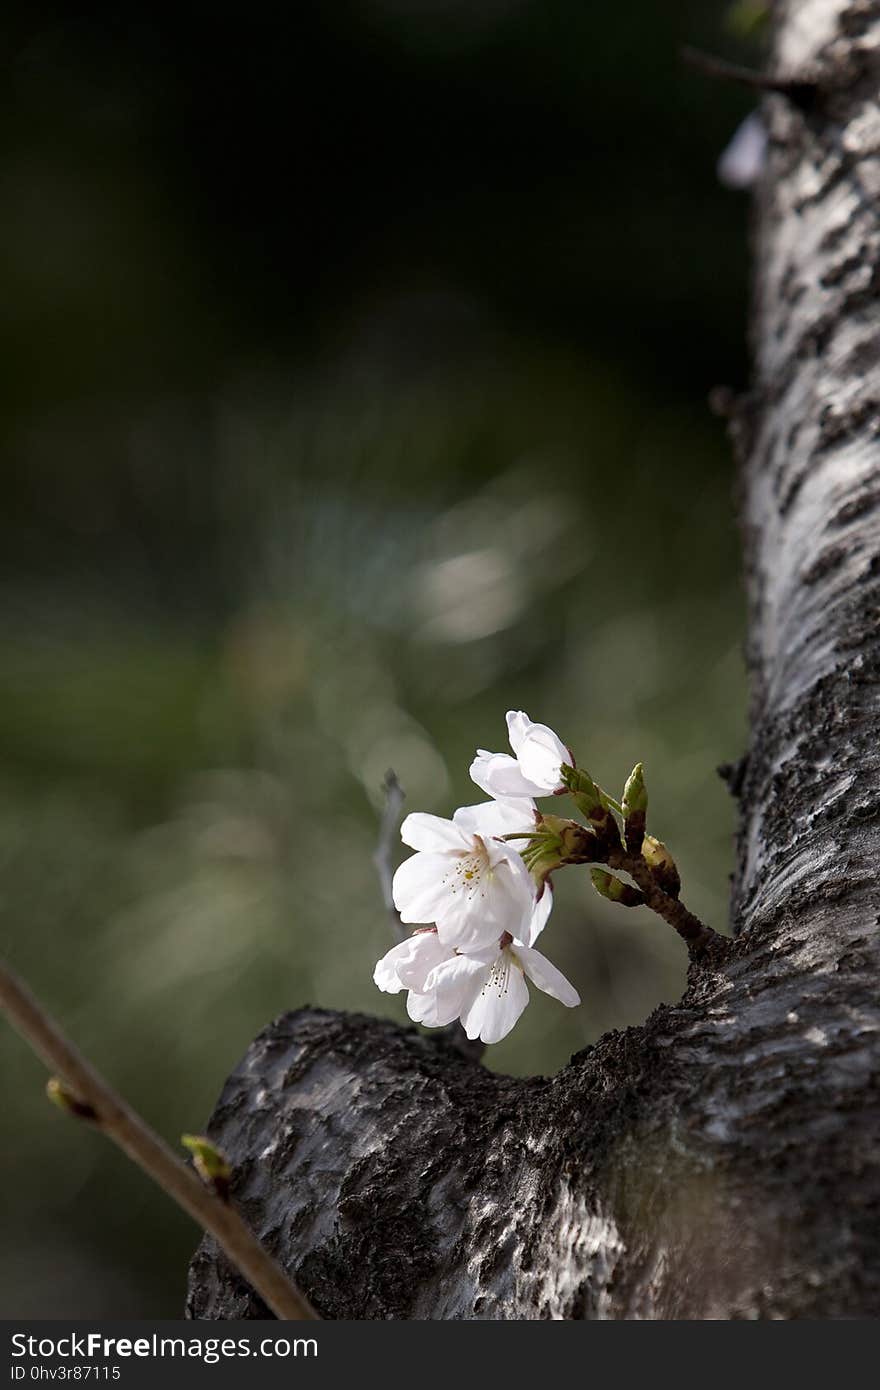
column 697, row 935
column 134, row 1136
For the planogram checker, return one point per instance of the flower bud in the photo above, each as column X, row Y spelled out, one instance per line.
column 634, row 805
column 592, row 803
column 615, row 890
column 569, row 835
column 662, row 865
column 583, row 789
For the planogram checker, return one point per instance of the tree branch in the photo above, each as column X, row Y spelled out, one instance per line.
column 98, row 1102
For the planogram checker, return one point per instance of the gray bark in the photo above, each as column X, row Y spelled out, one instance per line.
column 723, row 1160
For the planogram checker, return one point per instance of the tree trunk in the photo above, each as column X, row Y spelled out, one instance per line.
column 723, row 1160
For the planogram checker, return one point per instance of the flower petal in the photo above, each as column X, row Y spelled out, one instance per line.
column 495, row 818
column 743, row 161
column 545, row 975
column 518, row 725
column 420, row 1008
column 540, row 913
column 540, row 756
column 449, row 989
column 499, row 774
column 385, row 974
column 407, row 965
column 499, row 1003
column 486, row 955
column 432, row 833
column 419, row 889
column 428, row 1010
column 499, row 899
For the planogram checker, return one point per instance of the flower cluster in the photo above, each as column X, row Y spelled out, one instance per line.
column 478, row 908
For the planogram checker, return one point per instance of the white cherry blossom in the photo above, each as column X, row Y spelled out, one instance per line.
column 436, row 999
column 473, row 886
column 487, row 989
column 407, row 966
column 472, row 964
column 534, row 770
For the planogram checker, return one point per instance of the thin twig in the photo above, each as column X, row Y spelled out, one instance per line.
column 800, row 90
column 383, row 857
column 134, row 1136
column 694, row 932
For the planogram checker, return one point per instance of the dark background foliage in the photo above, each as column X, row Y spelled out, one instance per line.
column 355, row 386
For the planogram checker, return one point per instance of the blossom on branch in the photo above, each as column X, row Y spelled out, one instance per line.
column 479, row 907
column 473, row 886
column 408, row 966
column 487, row 989
column 535, row 768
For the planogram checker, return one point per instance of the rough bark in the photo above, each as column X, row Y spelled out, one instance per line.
column 723, row 1160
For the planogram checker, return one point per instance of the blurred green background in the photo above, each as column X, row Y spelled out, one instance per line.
column 354, row 390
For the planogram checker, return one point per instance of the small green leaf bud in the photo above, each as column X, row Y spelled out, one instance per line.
column 66, row 1100
column 746, row 17
column 210, row 1164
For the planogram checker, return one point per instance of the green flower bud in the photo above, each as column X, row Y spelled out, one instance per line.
column 593, row 803
column 635, row 796
column 568, row 833
column 662, row 865
column 634, row 806
column 584, row 791
column 615, row 890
